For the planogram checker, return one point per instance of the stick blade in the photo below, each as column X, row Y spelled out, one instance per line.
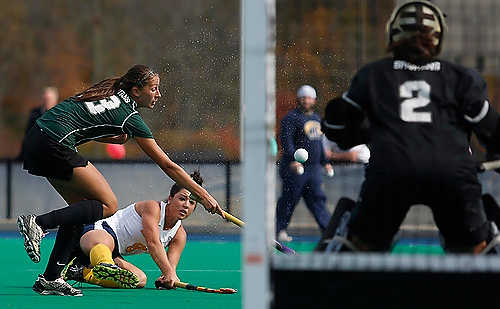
column 228, row 291
column 283, row 249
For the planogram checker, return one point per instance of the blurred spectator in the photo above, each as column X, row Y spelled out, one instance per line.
column 301, row 128
column 50, row 97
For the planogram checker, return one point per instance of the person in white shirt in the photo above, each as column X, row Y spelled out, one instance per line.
column 143, row 227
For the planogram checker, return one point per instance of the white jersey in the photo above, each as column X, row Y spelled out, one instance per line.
column 127, row 225
column 362, row 150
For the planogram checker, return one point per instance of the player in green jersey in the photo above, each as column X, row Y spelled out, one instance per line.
column 105, row 112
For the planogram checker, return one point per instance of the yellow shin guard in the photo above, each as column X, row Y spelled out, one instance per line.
column 100, row 254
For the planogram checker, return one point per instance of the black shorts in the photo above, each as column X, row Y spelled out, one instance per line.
column 456, row 208
column 44, row 156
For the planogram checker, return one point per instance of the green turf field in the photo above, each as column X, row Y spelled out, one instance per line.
column 210, row 263
column 207, row 263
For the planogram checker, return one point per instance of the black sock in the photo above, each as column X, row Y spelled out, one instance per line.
column 83, row 212
column 68, row 238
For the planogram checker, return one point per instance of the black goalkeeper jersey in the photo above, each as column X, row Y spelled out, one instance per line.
column 420, row 116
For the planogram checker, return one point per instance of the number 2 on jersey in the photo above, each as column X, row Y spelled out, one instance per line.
column 407, row 91
column 103, row 105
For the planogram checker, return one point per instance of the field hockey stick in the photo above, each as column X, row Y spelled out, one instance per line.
column 188, row 286
column 229, row 217
column 489, row 165
column 279, row 246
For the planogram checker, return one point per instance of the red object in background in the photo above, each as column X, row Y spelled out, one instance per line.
column 115, row 151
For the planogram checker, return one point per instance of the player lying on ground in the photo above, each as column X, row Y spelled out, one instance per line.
column 143, row 227
column 421, row 111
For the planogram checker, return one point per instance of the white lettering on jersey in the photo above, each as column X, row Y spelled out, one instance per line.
column 417, row 93
column 122, row 94
column 102, row 105
column 403, row 65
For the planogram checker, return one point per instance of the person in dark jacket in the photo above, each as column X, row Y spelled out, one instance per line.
column 301, row 128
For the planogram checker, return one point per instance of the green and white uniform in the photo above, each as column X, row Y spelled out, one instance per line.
column 72, row 123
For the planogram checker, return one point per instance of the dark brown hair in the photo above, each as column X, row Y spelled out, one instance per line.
column 196, row 176
column 417, row 49
column 138, row 75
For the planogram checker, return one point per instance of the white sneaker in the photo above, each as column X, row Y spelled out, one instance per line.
column 32, row 234
column 56, row 287
column 283, row 236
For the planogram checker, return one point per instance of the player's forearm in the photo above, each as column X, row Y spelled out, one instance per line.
column 174, row 254
column 170, row 168
column 180, row 176
column 342, row 156
column 159, row 256
column 173, row 260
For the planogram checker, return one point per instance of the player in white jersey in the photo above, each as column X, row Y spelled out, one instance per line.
column 143, row 227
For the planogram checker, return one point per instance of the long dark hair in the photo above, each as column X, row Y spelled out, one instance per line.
column 417, row 49
column 138, row 75
column 196, row 176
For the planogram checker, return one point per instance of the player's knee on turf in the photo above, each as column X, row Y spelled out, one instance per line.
column 143, row 279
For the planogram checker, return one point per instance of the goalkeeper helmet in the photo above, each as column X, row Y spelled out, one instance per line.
column 413, row 17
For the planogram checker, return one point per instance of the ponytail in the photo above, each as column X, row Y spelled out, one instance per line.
column 138, row 76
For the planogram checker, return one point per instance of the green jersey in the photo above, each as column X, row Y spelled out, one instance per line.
column 72, row 123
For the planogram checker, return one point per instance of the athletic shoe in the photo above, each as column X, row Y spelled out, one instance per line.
column 125, row 279
column 32, row 234
column 73, row 271
column 56, row 287
column 283, row 236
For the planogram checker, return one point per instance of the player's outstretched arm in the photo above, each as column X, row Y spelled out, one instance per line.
column 150, row 215
column 176, row 247
column 174, row 171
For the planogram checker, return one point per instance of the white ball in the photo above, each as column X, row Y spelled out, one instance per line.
column 330, row 173
column 301, row 155
column 300, row 170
